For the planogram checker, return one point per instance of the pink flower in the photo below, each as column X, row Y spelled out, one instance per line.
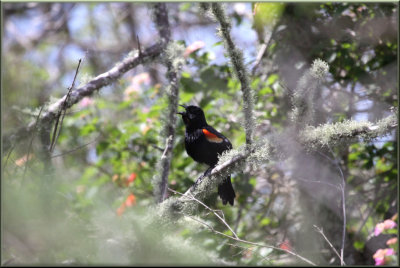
column 136, row 85
column 381, row 254
column 380, row 227
column 85, row 102
column 391, row 241
column 380, row 261
column 142, row 78
column 389, row 251
column 389, row 224
column 193, row 47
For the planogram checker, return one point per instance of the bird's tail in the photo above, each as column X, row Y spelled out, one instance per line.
column 226, row 192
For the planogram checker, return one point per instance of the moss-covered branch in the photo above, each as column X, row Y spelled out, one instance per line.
column 304, row 96
column 236, row 57
column 332, row 134
column 174, row 62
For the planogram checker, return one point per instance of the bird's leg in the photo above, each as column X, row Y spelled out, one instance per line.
column 205, row 174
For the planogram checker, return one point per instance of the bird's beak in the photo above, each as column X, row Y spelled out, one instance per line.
column 182, row 113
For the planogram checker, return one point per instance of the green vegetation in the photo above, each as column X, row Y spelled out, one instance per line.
column 307, row 94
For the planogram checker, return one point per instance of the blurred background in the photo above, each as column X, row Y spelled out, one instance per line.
column 89, row 203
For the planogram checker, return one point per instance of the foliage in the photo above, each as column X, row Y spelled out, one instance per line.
column 93, row 201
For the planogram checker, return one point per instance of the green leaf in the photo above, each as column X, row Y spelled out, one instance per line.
column 272, row 78
column 102, row 146
column 190, row 85
column 185, row 6
column 265, row 221
column 358, row 245
column 346, row 45
column 217, row 44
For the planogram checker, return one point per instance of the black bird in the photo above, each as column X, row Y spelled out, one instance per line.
column 203, row 143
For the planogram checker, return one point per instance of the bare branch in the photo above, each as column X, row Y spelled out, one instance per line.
column 251, row 243
column 207, row 207
column 343, row 190
column 76, row 149
column 62, row 111
column 31, row 142
column 330, row 244
column 264, row 48
column 321, row 182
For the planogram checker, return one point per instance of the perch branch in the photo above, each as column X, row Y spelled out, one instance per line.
column 216, row 171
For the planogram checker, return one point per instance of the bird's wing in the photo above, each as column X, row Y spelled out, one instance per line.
column 214, row 136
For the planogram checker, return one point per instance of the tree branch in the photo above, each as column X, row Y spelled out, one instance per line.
column 330, row 134
column 149, row 54
column 236, row 57
column 208, row 208
column 330, row 244
column 61, row 113
column 174, row 61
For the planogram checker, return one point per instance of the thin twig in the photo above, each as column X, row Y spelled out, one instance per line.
column 259, row 57
column 239, row 216
column 252, row 243
column 139, row 48
column 76, row 149
column 207, row 207
column 62, row 111
column 344, row 222
column 165, row 165
column 327, row 240
column 8, row 156
column 31, row 142
column 321, row 182
column 264, row 47
column 343, row 190
column 157, row 147
column 244, row 249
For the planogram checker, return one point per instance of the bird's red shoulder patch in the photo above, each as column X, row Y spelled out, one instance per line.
column 211, row 137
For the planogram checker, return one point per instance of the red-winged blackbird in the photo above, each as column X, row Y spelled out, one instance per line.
column 203, row 143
